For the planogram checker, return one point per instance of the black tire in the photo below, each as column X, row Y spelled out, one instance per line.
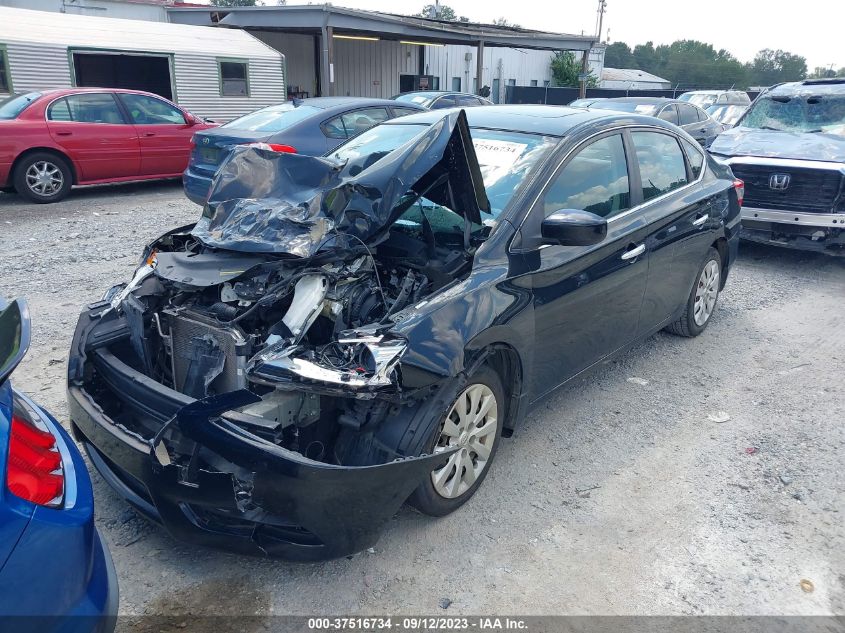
column 53, row 161
column 425, row 498
column 686, row 324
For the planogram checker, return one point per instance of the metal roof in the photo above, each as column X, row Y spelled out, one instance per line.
column 311, row 18
column 85, row 31
column 630, row 74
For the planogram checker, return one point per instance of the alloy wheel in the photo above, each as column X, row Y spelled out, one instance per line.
column 471, row 425
column 44, row 178
column 706, row 292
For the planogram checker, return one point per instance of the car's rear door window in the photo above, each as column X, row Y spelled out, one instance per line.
column 397, row 112
column 88, row 108
column 669, row 113
column 661, row 161
column 594, row 180
column 468, row 101
column 362, row 120
column 695, row 158
column 447, row 101
column 687, row 114
column 59, row 111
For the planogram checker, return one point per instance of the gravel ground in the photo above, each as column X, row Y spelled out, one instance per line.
column 621, row 494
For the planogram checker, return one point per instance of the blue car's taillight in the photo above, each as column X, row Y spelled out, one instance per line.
column 34, row 469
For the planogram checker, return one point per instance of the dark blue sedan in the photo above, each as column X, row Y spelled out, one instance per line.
column 308, row 126
column 55, row 572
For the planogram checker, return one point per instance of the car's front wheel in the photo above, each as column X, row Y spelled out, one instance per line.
column 702, row 299
column 472, row 428
column 43, row 177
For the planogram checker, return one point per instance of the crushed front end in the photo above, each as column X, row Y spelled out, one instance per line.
column 240, row 389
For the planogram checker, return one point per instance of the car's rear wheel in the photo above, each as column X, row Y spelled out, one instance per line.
column 473, row 426
column 702, row 299
column 43, row 177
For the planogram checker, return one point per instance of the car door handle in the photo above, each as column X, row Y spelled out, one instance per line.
column 64, row 133
column 700, row 221
column 634, row 252
column 149, row 133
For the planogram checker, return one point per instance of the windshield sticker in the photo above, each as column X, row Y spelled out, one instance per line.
column 493, row 153
column 644, row 109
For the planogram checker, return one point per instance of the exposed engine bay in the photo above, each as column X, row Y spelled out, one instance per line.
column 309, row 337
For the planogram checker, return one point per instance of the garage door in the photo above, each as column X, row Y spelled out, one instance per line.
column 115, row 70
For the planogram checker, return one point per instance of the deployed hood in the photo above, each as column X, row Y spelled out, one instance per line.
column 743, row 141
column 268, row 202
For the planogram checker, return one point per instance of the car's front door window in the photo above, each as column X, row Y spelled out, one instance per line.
column 145, row 110
column 594, row 180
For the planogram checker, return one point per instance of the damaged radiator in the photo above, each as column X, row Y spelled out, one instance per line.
column 206, row 358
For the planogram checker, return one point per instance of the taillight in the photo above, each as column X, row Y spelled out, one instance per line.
column 34, row 469
column 276, row 147
column 739, row 186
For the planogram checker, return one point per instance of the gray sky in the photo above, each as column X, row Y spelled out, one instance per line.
column 813, row 28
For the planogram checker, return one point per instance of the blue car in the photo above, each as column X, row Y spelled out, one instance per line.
column 55, row 572
column 305, row 126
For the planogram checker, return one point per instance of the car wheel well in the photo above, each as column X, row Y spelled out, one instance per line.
column 505, row 361
column 47, row 150
column 721, row 245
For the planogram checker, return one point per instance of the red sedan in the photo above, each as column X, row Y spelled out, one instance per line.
column 52, row 140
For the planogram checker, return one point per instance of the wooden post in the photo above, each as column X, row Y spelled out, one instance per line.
column 582, row 91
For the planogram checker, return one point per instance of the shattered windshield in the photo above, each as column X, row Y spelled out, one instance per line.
column 504, row 157
column 799, row 113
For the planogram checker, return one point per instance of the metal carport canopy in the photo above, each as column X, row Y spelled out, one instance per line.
column 329, row 20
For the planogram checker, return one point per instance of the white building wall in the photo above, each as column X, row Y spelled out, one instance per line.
column 38, row 66
column 372, row 69
column 299, row 58
column 94, row 8
column 198, row 86
column 520, row 65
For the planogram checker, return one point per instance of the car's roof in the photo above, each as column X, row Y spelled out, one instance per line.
column 52, row 92
column 532, row 119
column 433, row 94
column 812, row 86
column 641, row 100
column 329, row 103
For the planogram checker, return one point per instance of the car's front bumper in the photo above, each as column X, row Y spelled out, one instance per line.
column 820, row 232
column 265, row 500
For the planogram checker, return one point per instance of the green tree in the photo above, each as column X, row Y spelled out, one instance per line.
column 566, row 68
column 446, row 13
column 774, row 66
column 619, row 55
column 505, row 22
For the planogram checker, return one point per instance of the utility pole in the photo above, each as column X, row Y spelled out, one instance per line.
column 585, row 65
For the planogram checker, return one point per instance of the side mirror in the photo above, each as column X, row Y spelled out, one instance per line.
column 573, row 227
column 190, row 119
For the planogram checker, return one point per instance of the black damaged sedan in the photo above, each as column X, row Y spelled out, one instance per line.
column 337, row 336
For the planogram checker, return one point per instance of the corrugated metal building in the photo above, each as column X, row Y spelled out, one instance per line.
column 215, row 73
column 332, row 50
